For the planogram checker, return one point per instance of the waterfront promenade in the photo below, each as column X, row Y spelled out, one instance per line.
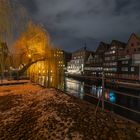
column 29, row 111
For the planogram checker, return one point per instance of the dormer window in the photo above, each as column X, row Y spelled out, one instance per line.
column 132, row 44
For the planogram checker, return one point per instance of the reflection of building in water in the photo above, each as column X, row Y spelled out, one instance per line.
column 50, row 72
column 74, row 87
column 96, row 91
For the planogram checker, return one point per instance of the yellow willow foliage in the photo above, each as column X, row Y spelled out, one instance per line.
column 12, row 17
column 49, row 73
column 33, row 44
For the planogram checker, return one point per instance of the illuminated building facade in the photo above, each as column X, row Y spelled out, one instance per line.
column 95, row 66
column 111, row 56
column 77, row 63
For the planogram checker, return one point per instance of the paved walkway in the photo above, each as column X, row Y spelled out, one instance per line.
column 13, row 82
column 30, row 112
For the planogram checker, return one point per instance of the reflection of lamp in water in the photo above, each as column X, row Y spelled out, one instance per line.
column 93, row 90
column 99, row 92
column 112, row 97
column 107, row 95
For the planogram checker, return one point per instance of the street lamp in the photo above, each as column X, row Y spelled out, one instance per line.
column 29, row 55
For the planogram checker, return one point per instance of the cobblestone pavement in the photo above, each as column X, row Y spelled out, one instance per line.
column 30, row 112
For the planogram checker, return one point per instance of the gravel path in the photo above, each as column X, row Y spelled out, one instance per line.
column 30, row 112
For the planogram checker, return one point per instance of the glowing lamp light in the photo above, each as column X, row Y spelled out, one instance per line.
column 29, row 55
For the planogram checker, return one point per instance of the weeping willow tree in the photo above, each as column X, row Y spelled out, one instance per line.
column 12, row 17
column 33, row 53
column 33, row 45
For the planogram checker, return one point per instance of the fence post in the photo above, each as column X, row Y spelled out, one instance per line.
column 103, row 87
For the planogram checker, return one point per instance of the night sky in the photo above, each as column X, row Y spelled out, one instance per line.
column 71, row 23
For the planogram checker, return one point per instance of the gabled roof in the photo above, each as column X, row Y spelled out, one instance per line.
column 81, row 49
column 118, row 43
column 102, row 47
column 133, row 34
column 137, row 36
column 90, row 56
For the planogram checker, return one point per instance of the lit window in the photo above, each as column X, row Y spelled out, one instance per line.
column 132, row 68
column 124, row 62
column 113, row 52
column 124, row 68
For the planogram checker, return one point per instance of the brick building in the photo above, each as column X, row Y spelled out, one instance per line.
column 129, row 61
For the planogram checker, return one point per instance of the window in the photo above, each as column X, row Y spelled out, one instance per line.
column 138, row 43
column 124, row 62
column 114, row 69
column 124, row 69
column 113, row 47
column 113, row 58
column 132, row 44
column 138, row 49
column 132, row 68
column 127, row 51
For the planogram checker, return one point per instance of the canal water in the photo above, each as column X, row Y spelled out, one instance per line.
column 126, row 103
column 123, row 105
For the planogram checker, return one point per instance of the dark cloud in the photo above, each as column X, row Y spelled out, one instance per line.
column 73, row 22
column 30, row 6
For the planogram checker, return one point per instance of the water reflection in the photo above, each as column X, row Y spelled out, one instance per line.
column 96, row 91
column 109, row 95
column 79, row 88
column 74, row 87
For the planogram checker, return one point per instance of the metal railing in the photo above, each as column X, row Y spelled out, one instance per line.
column 100, row 97
column 116, row 92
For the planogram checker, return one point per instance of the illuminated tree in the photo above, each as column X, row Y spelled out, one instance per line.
column 32, row 46
column 32, row 52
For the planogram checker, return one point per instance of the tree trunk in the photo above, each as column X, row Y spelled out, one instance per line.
column 22, row 71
